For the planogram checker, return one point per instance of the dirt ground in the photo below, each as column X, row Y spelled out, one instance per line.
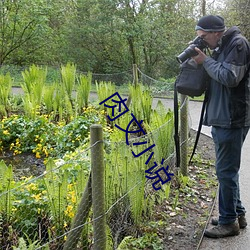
column 187, row 222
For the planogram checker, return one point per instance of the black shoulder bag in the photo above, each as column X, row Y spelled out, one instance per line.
column 191, row 81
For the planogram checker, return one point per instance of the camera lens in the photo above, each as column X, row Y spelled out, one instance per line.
column 187, row 53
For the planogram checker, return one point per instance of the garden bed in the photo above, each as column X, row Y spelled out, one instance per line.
column 179, row 219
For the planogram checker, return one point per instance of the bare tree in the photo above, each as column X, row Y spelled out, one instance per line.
column 19, row 23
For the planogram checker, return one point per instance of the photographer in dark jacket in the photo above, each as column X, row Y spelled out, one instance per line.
column 228, row 112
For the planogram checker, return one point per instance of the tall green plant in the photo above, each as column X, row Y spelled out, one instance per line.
column 141, row 102
column 5, row 90
column 104, row 90
column 125, row 175
column 56, row 185
column 83, row 90
column 33, row 85
column 6, row 184
column 48, row 98
column 62, row 106
column 68, row 74
column 161, row 128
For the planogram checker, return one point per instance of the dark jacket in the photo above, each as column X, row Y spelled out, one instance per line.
column 229, row 90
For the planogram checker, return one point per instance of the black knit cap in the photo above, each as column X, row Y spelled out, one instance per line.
column 210, row 23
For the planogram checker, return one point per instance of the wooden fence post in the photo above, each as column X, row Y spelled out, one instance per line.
column 135, row 75
column 98, row 194
column 80, row 218
column 184, row 135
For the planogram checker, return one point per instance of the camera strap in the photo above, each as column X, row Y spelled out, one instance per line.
column 176, row 126
column 200, row 126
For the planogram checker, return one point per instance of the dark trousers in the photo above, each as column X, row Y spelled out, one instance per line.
column 228, row 145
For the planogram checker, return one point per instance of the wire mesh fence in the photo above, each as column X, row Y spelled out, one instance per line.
column 57, row 209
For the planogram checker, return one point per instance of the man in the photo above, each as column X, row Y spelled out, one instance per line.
column 228, row 112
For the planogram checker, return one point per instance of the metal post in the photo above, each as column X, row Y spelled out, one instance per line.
column 98, row 195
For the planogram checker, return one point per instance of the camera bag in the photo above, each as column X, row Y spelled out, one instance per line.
column 192, row 79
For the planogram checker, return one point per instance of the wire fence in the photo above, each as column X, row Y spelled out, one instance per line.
column 57, row 209
column 160, row 87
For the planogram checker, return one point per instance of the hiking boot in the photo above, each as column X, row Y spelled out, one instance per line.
column 241, row 219
column 221, row 230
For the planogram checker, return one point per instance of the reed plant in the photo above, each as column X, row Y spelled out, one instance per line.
column 104, row 90
column 56, row 184
column 141, row 105
column 68, row 75
column 161, row 130
column 62, row 106
column 83, row 91
column 6, row 196
column 34, row 80
column 48, row 97
column 125, row 174
column 125, row 177
column 5, row 90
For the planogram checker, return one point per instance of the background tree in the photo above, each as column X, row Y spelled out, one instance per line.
column 104, row 36
column 21, row 25
column 237, row 13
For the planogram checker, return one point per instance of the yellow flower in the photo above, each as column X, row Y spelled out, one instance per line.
column 73, row 199
column 6, row 132
column 69, row 211
column 31, row 186
column 38, row 156
column 37, row 196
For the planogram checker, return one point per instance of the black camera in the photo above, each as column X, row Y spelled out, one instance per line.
column 190, row 51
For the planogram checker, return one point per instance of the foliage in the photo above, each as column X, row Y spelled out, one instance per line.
column 141, row 109
column 43, row 137
column 83, row 91
column 5, row 90
column 51, row 200
column 34, row 81
column 147, row 241
column 22, row 245
column 68, row 74
column 30, row 204
column 161, row 127
column 106, row 36
column 22, row 23
column 125, row 173
column 6, row 184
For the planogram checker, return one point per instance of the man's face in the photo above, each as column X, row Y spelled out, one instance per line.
column 211, row 38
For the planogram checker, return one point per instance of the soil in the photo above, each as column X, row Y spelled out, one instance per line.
column 25, row 164
column 187, row 222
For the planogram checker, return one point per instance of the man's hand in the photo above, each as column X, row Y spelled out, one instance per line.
column 200, row 58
